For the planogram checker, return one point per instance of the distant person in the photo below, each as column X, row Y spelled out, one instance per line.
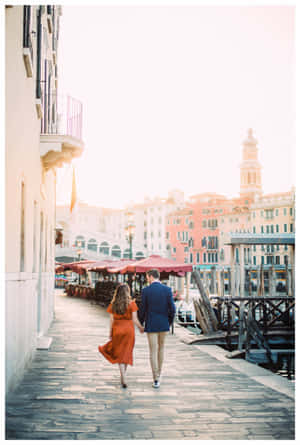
column 123, row 316
column 157, row 311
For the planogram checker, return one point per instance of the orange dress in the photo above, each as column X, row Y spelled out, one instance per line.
column 119, row 348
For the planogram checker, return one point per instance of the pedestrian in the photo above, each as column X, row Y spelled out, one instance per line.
column 157, row 311
column 123, row 317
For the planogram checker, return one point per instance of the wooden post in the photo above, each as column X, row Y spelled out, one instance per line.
column 272, row 282
column 293, row 270
column 242, row 294
column 213, row 280
column 287, row 278
column 232, row 274
column 222, row 290
column 204, row 302
column 188, row 281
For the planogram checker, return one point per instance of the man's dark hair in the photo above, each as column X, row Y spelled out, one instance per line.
column 153, row 273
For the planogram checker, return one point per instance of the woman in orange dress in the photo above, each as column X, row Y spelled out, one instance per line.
column 123, row 316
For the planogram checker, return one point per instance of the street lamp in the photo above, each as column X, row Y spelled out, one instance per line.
column 79, row 251
column 129, row 231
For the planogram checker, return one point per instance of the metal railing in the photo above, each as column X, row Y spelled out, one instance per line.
column 62, row 115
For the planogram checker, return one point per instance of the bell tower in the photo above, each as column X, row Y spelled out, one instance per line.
column 250, row 168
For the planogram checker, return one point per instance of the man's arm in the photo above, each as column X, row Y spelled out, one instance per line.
column 171, row 307
column 142, row 308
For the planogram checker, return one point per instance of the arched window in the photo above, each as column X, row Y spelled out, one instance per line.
column 92, row 245
column 104, row 248
column 116, row 251
column 126, row 253
column 80, row 241
column 139, row 255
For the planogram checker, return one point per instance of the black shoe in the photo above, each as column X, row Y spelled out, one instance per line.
column 124, row 385
column 156, row 384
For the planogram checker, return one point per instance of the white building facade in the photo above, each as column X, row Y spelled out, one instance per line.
column 34, row 149
column 99, row 232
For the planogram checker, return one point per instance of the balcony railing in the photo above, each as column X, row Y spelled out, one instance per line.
column 62, row 115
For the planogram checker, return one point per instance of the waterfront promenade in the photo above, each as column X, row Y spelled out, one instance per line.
column 70, row 392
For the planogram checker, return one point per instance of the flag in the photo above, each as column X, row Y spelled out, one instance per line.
column 73, row 194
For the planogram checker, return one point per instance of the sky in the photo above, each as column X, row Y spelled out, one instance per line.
column 169, row 93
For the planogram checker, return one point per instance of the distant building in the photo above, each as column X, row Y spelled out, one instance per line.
column 273, row 213
column 103, row 231
column 198, row 233
column 37, row 142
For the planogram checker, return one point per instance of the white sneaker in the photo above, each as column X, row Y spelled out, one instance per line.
column 156, row 384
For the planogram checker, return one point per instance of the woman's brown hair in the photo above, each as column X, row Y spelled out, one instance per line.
column 121, row 299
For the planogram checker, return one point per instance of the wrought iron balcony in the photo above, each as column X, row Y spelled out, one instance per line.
column 61, row 130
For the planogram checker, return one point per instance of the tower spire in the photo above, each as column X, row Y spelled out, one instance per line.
column 250, row 168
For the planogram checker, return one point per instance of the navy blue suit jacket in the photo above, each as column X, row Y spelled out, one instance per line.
column 157, row 309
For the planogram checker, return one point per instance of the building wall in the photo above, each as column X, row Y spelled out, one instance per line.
column 29, row 288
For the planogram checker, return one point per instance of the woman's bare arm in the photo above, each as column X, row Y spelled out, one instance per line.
column 136, row 322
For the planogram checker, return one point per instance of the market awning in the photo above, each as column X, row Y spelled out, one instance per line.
column 161, row 264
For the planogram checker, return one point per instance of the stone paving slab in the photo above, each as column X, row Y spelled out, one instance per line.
column 70, row 392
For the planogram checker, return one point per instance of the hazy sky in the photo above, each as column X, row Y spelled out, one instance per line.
column 169, row 93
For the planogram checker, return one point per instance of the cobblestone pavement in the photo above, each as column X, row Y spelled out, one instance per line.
column 70, row 392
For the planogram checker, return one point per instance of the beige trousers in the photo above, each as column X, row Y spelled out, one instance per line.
column 156, row 341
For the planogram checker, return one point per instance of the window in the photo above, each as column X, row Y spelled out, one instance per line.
column 277, row 228
column 285, row 228
column 198, row 257
column 285, row 247
column 269, row 214
column 191, row 257
column 272, row 228
column 216, row 257
column 35, row 222
column 277, row 259
column 254, row 248
column 204, row 257
column 267, row 227
column 291, row 211
column 254, row 260
column 237, row 255
column 22, row 231
column 159, row 234
column 276, row 212
column 174, row 249
column 291, row 227
column 167, row 235
column 262, row 229
column 253, row 214
column 209, row 257
column 204, row 224
column 254, row 229
column 284, row 212
column 262, row 260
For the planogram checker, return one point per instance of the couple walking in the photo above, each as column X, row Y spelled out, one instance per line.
column 156, row 312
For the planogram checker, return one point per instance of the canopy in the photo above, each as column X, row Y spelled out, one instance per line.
column 161, row 264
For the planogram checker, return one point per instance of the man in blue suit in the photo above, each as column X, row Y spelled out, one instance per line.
column 157, row 311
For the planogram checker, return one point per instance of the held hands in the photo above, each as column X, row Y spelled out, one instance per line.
column 141, row 329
